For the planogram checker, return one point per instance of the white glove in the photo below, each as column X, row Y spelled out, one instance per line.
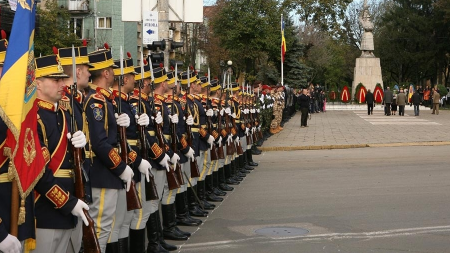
column 259, row 128
column 174, row 118
column 222, row 111
column 122, row 120
column 127, row 176
column 210, row 141
column 233, row 115
column 252, row 110
column 78, row 211
column 143, row 119
column 253, row 130
column 78, row 139
column 165, row 162
column 10, row 245
column 236, row 140
column 145, row 167
column 228, row 110
column 158, row 119
column 246, row 131
column 264, row 107
column 209, row 113
column 174, row 160
column 261, row 99
column 190, row 120
column 246, row 111
column 230, row 139
column 257, row 110
column 220, row 141
column 190, row 154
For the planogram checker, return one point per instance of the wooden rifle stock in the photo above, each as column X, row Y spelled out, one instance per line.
column 213, row 151
column 194, row 166
column 133, row 201
column 220, row 152
column 171, row 178
column 174, row 142
column 90, row 240
column 150, row 187
column 238, row 146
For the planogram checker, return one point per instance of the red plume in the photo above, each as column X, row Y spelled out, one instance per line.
column 55, row 50
column 161, row 65
column 84, row 42
column 206, row 74
column 216, row 78
column 129, row 54
column 171, row 67
column 145, row 62
column 191, row 67
column 106, row 45
column 3, row 34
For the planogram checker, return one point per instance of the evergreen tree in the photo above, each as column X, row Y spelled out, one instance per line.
column 295, row 72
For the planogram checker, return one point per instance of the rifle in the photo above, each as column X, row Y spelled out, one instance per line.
column 209, row 125
column 173, row 132
column 194, row 166
column 239, row 150
column 90, row 240
column 246, row 117
column 260, row 134
column 252, row 117
column 133, row 201
column 151, row 192
column 220, row 152
column 170, row 174
column 231, row 148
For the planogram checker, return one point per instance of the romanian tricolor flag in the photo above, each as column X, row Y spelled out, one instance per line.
column 17, row 101
column 410, row 92
column 283, row 41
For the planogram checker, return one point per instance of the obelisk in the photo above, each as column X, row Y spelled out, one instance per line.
column 367, row 68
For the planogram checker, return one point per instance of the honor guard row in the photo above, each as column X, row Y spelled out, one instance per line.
column 148, row 137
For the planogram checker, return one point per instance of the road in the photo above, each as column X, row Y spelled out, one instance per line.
column 373, row 199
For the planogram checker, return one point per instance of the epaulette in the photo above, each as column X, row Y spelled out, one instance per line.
column 123, row 96
column 159, row 97
column 176, row 98
column 46, row 105
column 196, row 97
column 191, row 97
column 134, row 97
column 99, row 97
column 64, row 103
column 105, row 93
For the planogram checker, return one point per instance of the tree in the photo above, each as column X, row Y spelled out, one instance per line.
column 53, row 29
column 249, row 30
column 297, row 74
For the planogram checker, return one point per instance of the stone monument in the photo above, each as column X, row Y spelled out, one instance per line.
column 368, row 68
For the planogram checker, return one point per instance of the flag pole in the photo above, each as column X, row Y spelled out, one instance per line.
column 281, row 50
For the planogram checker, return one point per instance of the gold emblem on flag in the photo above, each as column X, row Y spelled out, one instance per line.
column 25, row 5
column 29, row 151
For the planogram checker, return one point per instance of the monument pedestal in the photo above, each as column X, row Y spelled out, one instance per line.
column 368, row 72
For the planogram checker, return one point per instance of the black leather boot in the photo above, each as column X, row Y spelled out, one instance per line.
column 216, row 189
column 245, row 158
column 162, row 242
column 152, row 225
column 123, row 245
column 112, row 247
column 137, row 241
column 201, row 193
column 228, row 175
column 210, row 196
column 169, row 223
column 183, row 217
column 194, row 208
column 222, row 180
column 256, row 151
column 250, row 159
column 235, row 171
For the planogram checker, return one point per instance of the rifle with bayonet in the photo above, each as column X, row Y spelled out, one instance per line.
column 231, row 148
column 170, row 173
column 239, row 150
column 173, row 132
column 133, row 201
column 220, row 152
column 151, row 192
column 90, row 240
column 194, row 166
column 209, row 124
column 246, row 117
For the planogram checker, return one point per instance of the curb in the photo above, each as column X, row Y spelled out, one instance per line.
column 348, row 146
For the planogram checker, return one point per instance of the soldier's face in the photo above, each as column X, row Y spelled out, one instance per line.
column 82, row 76
column 50, row 89
column 147, row 88
column 128, row 82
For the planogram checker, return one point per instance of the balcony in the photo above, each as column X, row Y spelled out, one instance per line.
column 78, row 6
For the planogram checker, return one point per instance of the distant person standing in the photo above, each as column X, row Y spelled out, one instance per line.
column 415, row 100
column 401, row 102
column 436, row 99
column 304, row 101
column 387, row 100
column 369, row 100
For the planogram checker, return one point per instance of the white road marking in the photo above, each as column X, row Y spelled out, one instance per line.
column 316, row 237
column 378, row 118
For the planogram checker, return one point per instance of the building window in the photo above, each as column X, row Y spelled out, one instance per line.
column 104, row 23
column 76, row 25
